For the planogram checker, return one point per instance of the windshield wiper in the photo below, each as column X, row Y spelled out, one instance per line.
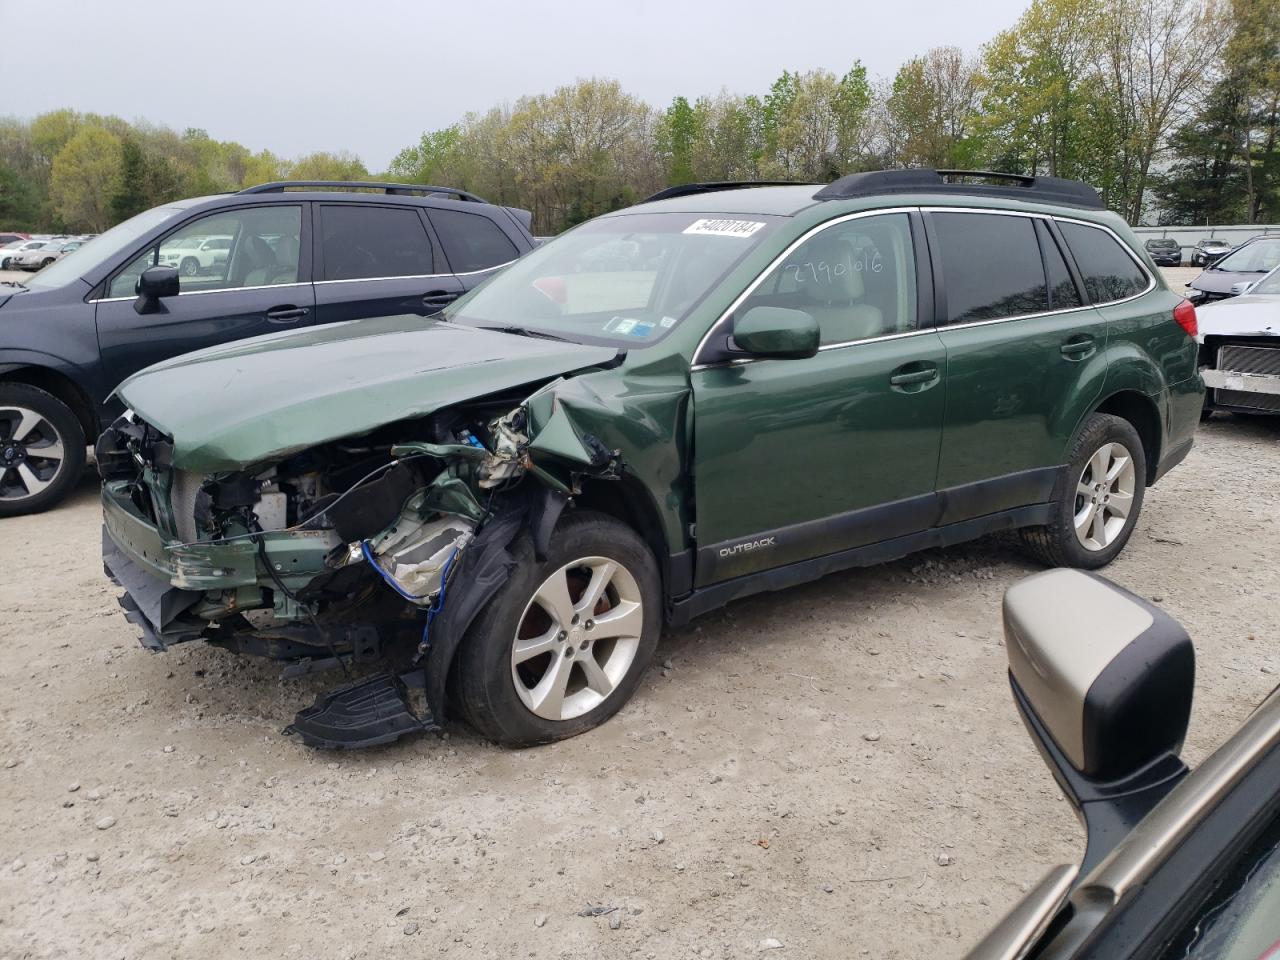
column 528, row 332
column 15, row 283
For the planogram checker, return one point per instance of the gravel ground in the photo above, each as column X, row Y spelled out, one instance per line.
column 836, row 770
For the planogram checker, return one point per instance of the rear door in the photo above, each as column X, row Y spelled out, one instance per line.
column 262, row 286
column 375, row 261
column 1024, row 358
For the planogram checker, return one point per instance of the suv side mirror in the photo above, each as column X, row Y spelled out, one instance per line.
column 776, row 332
column 155, row 283
column 1103, row 680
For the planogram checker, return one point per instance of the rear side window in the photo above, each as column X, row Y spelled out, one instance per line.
column 362, row 242
column 991, row 266
column 1109, row 272
column 472, row 241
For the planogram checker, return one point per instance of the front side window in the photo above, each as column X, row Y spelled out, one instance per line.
column 625, row 280
column 991, row 266
column 1109, row 272
column 264, row 250
column 471, row 241
column 362, row 242
column 856, row 278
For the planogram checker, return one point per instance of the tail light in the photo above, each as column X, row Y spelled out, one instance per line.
column 1185, row 314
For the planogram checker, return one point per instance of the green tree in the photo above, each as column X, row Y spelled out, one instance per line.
column 86, row 178
column 131, row 196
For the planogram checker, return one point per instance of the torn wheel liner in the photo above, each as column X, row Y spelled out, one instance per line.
column 367, row 713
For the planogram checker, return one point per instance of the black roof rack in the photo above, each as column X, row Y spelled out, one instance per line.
column 392, row 189
column 688, row 189
column 1071, row 193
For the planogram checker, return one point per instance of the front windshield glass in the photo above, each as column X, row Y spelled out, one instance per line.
column 1258, row 257
column 1270, row 284
column 79, row 262
column 620, row 280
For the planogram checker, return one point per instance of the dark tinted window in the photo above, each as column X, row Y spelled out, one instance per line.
column 361, row 242
column 472, row 241
column 1063, row 294
column 1109, row 273
column 990, row 265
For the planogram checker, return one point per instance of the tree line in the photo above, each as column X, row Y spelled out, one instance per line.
column 1170, row 108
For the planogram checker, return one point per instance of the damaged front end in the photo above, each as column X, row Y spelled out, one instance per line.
column 381, row 547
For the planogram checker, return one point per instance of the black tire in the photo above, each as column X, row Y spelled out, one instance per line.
column 56, row 424
column 1056, row 544
column 4, row 264
column 483, row 680
column 189, row 267
column 44, row 263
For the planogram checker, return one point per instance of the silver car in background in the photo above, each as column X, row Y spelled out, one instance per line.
column 38, row 258
column 1240, row 348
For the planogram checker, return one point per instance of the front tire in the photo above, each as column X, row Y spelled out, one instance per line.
column 566, row 642
column 1098, row 500
column 42, row 450
column 189, row 267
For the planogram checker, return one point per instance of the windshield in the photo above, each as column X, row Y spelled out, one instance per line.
column 79, row 262
column 1257, row 257
column 1270, row 284
column 626, row 279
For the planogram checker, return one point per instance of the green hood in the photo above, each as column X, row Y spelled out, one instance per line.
column 268, row 397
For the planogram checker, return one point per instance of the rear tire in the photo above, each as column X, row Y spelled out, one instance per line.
column 1099, row 497
column 515, row 656
column 42, row 450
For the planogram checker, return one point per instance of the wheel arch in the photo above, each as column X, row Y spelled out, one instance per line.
column 1140, row 411
column 60, row 386
column 627, row 500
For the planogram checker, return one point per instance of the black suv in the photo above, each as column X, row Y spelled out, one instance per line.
column 201, row 272
column 1165, row 251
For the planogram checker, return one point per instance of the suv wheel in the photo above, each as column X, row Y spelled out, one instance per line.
column 565, row 643
column 41, row 449
column 189, row 267
column 1099, row 498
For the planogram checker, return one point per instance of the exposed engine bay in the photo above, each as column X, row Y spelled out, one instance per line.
column 359, row 550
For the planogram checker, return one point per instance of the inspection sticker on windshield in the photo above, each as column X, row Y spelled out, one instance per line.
column 724, row 228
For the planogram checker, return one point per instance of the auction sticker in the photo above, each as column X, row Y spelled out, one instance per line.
column 724, row 228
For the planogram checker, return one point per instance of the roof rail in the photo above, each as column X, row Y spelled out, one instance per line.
column 392, row 189
column 687, row 189
column 1071, row 193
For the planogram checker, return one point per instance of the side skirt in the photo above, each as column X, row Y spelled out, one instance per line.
column 708, row 598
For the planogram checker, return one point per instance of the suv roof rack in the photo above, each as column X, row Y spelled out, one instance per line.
column 687, row 189
column 1072, row 193
column 392, row 189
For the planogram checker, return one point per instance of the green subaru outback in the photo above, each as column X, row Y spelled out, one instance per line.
column 726, row 389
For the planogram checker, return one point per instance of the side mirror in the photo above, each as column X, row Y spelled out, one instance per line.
column 776, row 332
column 1103, row 679
column 1241, row 288
column 154, row 284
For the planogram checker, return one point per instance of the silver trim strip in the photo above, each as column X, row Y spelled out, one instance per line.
column 1151, row 281
column 1014, row 936
column 303, row 283
column 198, row 293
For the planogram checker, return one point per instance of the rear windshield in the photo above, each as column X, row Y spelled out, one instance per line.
column 624, row 280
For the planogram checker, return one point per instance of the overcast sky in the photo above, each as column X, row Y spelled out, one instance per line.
column 371, row 75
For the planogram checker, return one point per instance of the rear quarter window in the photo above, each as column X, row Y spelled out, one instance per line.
column 1109, row 272
column 472, row 241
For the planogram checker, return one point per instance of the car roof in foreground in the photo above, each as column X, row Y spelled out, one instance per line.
column 775, row 201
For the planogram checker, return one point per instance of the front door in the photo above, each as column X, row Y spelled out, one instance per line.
column 796, row 459
column 261, row 285
column 375, row 261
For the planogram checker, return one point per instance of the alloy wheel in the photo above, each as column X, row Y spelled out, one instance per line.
column 577, row 638
column 31, row 453
column 1104, row 496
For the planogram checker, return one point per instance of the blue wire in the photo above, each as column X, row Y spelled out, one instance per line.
column 432, row 610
